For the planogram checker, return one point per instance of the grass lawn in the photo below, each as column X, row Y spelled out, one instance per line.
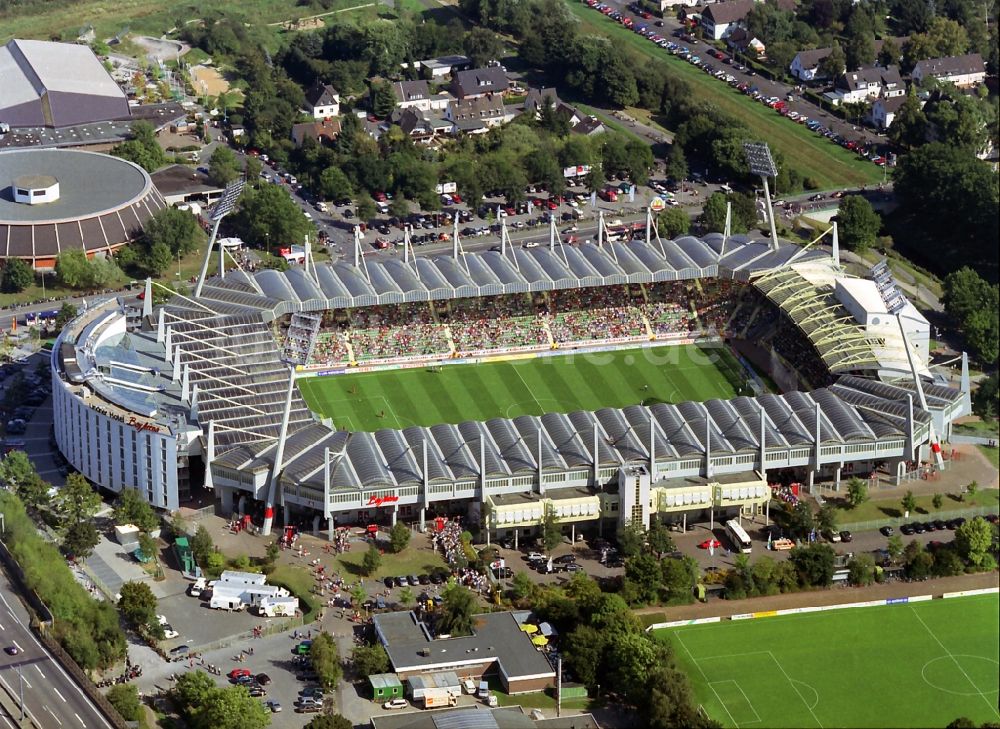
column 907, row 665
column 992, row 455
column 882, row 508
column 982, row 428
column 402, row 398
column 814, row 156
column 410, row 561
column 298, row 581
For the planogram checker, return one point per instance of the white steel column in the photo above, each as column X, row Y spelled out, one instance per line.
column 279, row 456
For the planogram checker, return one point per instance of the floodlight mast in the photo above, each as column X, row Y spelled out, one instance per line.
column 226, row 205
column 761, row 163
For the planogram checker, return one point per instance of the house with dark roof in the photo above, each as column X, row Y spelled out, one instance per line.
column 180, row 184
column 419, row 125
column 479, row 82
column 589, row 126
column 322, row 131
column 322, row 101
column 962, row 71
column 805, row 65
column 536, row 99
column 479, row 114
column 866, row 84
column 482, row 717
column 741, row 41
column 497, row 647
column 720, row 19
column 444, row 65
column 884, row 110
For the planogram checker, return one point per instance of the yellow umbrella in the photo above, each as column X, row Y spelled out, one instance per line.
column 540, row 640
column 529, row 628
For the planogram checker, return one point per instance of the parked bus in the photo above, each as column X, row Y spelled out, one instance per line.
column 739, row 537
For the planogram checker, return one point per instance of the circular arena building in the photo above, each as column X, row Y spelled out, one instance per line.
column 52, row 200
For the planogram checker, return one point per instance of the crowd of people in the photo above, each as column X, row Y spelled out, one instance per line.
column 449, row 541
column 464, row 327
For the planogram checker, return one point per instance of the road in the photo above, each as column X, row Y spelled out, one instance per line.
column 51, row 697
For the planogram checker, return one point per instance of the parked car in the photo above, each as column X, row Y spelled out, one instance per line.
column 565, row 559
column 396, row 704
column 272, row 705
column 263, row 679
column 887, row 531
column 846, row 536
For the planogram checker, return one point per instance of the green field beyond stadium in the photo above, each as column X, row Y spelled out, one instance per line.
column 908, row 665
column 453, row 393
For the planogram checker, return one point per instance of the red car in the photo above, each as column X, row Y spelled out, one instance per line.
column 714, row 543
column 237, row 672
column 455, row 198
column 551, row 204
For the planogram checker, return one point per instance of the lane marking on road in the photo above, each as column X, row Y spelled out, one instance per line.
column 53, row 715
column 1, row 627
column 7, row 721
column 17, row 646
column 59, row 694
column 25, row 681
column 79, row 719
column 39, row 671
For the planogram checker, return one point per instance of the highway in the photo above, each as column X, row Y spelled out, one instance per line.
column 51, row 698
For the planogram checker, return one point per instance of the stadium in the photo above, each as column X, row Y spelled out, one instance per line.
column 50, row 202
column 603, row 383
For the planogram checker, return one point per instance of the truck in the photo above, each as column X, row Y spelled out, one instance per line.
column 232, row 577
column 322, row 206
column 225, row 600
column 436, row 698
column 272, row 607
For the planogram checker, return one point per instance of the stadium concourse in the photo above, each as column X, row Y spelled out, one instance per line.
column 212, row 380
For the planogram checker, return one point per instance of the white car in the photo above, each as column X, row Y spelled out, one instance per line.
column 169, row 633
column 530, row 244
column 573, row 203
column 395, row 704
column 536, row 557
column 161, row 619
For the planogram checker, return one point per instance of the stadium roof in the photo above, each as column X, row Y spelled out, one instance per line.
column 489, row 273
column 56, row 84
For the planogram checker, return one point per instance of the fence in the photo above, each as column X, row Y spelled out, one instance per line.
column 247, row 638
column 895, row 521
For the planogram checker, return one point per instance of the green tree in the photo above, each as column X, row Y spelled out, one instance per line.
column 366, row 207
column 522, row 585
column 148, row 546
column 972, row 488
column 986, row 398
column 406, row 597
column 371, row 561
column 713, row 213
column 138, row 604
column 358, row 594
column 192, row 691
column 857, row 492
column 73, row 269
column 131, row 508
column 679, row 578
column 17, row 276
column 455, row 615
column 801, row 520
column 917, row 561
column 677, row 166
column 833, row 65
column 202, row 545
column 330, row 721
column 890, row 53
column 975, row 305
column 482, row 46
column 861, row 570
column 35, row 492
column 551, row 530
column 826, row 518
column 631, row 539
column 583, row 648
column 125, row 698
column 175, row 229
column 223, row 167
column 334, row 185
column 973, row 540
column 383, row 99
column 399, row 537
column 814, row 564
column 77, row 501
column 859, row 223
column 594, row 180
column 660, row 539
column 325, row 660
column 231, row 708
column 860, row 50
column 909, row 502
column 937, row 501
column 675, row 222
column 141, row 147
column 894, row 546
column 268, row 215
column 945, row 37
column 67, row 312
column 369, row 659
column 399, row 207
column 80, row 539
column 644, row 574
column 16, row 468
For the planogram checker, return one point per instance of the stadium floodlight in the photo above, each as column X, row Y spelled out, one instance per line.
column 225, row 205
column 761, row 163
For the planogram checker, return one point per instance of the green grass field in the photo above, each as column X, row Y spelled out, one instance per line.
column 918, row 664
column 401, row 398
column 814, row 156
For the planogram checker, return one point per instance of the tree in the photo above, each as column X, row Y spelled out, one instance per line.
column 399, row 537
column 861, row 570
column 366, row 207
column 177, row 230
column 223, row 167
column 551, row 531
column 202, row 545
column 268, row 215
column 35, row 492
column 131, row 508
column 972, row 488
column 399, row 207
column 944, row 38
column 894, row 546
column 675, row 222
column 909, row 502
column 383, row 99
column 334, row 185
column 826, row 518
column 631, row 539
column 834, row 63
column 860, row 49
column 16, row 468
column 77, row 501
column 17, row 276
column 713, row 213
column 857, row 492
column 141, row 147
column 594, row 180
column 660, row 540
column 859, row 223
column 974, row 304
column 325, row 660
column 890, row 53
column 231, row 708
column 937, row 501
column 909, row 126
column 986, row 398
column 583, row 648
column 73, row 268
column 369, row 659
column 125, row 698
column 482, row 46
column 917, row 561
column 800, row 520
column 67, row 313
column 138, row 604
column 973, row 540
column 371, row 561
column 677, row 166
column 80, row 539
column 814, row 564
column 522, row 585
column 644, row 575
column 455, row 615
column 679, row 578
column 330, row 721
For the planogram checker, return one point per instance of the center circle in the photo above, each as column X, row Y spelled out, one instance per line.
column 943, row 674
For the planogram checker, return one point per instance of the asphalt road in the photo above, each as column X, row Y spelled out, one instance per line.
column 51, row 697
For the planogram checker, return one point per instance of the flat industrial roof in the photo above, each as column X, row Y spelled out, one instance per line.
column 89, row 183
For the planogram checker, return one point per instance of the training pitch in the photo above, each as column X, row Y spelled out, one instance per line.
column 904, row 665
column 453, row 393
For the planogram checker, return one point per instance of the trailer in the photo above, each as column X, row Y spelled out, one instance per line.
column 226, row 599
column 436, row 698
column 272, row 607
column 232, row 577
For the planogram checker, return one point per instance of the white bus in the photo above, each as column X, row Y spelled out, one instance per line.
column 739, row 538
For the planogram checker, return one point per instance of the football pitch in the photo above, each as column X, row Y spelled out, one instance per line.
column 453, row 393
column 905, row 665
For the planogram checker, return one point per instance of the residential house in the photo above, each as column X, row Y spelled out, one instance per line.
column 589, row 126
column 444, row 65
column 419, row 125
column 884, row 110
column 720, row 19
column 740, row 41
column 321, row 131
column 479, row 114
column 805, row 65
column 962, row 71
column 866, row 84
column 417, row 95
column 322, row 101
column 478, row 82
column 538, row 98
column 666, row 4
